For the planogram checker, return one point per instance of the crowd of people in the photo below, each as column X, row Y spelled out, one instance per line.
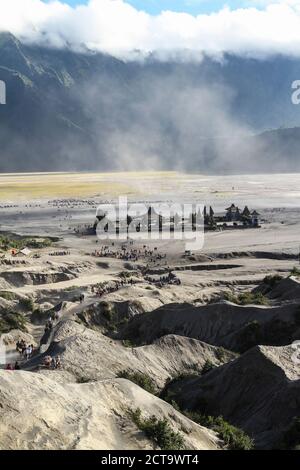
column 52, row 362
column 170, row 279
column 25, row 350
column 109, row 288
column 130, row 254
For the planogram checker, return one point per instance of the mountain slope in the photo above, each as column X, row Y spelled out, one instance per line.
column 37, row 412
column 75, row 111
column 258, row 392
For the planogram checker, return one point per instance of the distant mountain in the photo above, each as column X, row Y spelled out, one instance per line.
column 75, row 111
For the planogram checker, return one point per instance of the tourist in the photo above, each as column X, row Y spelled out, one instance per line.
column 57, row 362
column 48, row 362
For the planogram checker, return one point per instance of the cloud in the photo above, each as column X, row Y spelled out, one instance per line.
column 117, row 28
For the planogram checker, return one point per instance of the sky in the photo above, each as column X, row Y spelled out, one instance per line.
column 187, row 29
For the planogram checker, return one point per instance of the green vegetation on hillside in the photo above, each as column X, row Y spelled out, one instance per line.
column 11, row 321
column 271, row 281
column 140, row 379
column 9, row 242
column 295, row 272
column 8, row 295
column 233, row 437
column 247, row 298
column 158, row 431
column 27, row 304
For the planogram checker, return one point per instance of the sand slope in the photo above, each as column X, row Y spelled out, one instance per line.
column 38, row 413
column 88, row 354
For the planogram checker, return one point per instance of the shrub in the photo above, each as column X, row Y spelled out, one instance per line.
column 11, row 321
column 247, row 298
column 271, row 281
column 158, row 431
column 295, row 271
column 234, row 438
column 142, row 380
column 221, row 354
column 7, row 295
column 208, row 366
column 27, row 304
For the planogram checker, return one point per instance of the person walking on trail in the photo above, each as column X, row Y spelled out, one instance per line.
column 48, row 362
column 27, row 353
column 57, row 362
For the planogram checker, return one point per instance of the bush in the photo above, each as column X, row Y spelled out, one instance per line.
column 39, row 243
column 158, row 431
column 7, row 295
column 247, row 298
column 12, row 321
column 234, row 438
column 271, row 281
column 27, row 304
column 221, row 354
column 208, row 366
column 142, row 380
column 295, row 271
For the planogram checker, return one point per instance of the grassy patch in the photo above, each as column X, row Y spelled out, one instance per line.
column 11, row 321
column 9, row 242
column 142, row 380
column 8, row 295
column 247, row 298
column 158, row 431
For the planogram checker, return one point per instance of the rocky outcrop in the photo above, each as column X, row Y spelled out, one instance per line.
column 37, row 413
